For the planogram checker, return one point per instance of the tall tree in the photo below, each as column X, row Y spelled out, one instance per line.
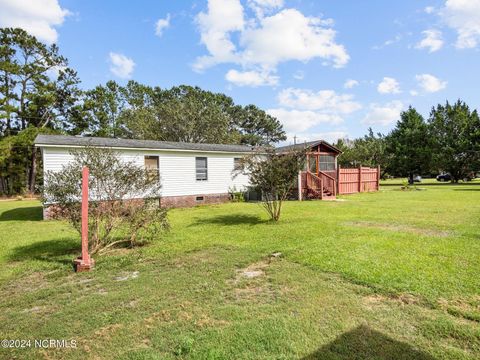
column 368, row 150
column 37, row 89
column 102, row 108
column 409, row 147
column 26, row 66
column 190, row 114
column 256, row 127
column 455, row 131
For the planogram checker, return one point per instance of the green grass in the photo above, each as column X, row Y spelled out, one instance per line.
column 387, row 275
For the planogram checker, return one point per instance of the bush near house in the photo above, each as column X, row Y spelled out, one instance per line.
column 117, row 212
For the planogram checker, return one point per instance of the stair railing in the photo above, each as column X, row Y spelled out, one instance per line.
column 329, row 182
column 314, row 184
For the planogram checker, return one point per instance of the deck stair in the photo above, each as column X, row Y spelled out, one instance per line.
column 320, row 186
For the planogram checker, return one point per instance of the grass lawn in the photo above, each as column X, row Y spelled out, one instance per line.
column 387, row 275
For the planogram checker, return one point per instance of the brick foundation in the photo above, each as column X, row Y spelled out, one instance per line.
column 193, row 200
column 54, row 211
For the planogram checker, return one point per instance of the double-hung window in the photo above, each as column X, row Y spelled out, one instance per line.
column 237, row 164
column 201, row 168
column 152, row 166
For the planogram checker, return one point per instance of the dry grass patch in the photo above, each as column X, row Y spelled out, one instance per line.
column 400, row 228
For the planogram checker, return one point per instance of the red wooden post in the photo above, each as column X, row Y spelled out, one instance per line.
column 84, row 262
column 338, row 179
column 378, row 177
column 360, row 178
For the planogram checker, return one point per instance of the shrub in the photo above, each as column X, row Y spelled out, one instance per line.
column 118, row 213
column 236, row 195
column 273, row 175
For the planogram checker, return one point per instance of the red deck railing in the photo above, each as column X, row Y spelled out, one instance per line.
column 347, row 181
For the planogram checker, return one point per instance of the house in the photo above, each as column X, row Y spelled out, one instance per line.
column 190, row 173
column 193, row 174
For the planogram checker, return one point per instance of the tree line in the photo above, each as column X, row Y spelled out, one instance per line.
column 40, row 93
column 448, row 141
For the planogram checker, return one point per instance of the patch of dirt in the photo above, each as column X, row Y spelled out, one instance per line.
column 163, row 316
column 468, row 309
column 403, row 299
column 107, row 330
column 127, row 276
column 251, row 283
column 401, row 228
column 206, row 321
column 29, row 283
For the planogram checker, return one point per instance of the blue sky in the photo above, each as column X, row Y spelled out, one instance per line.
column 326, row 69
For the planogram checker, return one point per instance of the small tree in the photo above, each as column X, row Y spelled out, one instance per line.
column 118, row 213
column 274, row 175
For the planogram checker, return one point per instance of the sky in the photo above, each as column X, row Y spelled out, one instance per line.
column 326, row 69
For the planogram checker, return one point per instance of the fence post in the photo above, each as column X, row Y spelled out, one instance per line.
column 300, row 185
column 360, row 178
column 378, row 178
column 338, row 179
column 84, row 262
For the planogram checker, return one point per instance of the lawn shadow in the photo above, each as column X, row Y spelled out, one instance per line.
column 31, row 213
column 57, row 251
column 365, row 343
column 466, row 189
column 232, row 219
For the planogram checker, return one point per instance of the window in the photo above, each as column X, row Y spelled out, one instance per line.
column 201, row 168
column 237, row 164
column 151, row 165
column 312, row 163
column 327, row 162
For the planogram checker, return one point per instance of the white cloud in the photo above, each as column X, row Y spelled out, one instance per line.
column 161, row 25
column 350, row 84
column 327, row 101
column 383, row 115
column 430, row 83
column 389, row 42
column 429, row 9
column 262, row 7
column 251, row 78
column 302, row 109
column 432, row 40
column 414, row 92
column 464, row 17
column 388, row 86
column 299, row 121
column 121, row 65
column 221, row 18
column 289, row 35
column 38, row 17
column 230, row 36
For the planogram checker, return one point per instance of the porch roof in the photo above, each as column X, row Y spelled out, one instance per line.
column 307, row 145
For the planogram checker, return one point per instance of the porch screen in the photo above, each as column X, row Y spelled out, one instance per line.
column 327, row 162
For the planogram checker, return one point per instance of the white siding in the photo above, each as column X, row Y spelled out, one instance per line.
column 177, row 169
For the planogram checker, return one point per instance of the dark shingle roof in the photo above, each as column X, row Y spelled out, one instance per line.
column 63, row 140
column 307, row 145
